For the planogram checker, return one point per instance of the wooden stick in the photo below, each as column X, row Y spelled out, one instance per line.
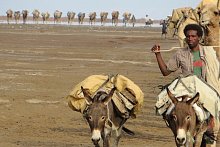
column 173, row 48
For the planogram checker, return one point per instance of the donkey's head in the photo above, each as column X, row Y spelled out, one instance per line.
column 183, row 117
column 97, row 112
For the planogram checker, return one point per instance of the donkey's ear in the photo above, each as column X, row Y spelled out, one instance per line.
column 171, row 96
column 193, row 100
column 86, row 95
column 109, row 96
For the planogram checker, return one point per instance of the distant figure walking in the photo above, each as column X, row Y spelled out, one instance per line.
column 146, row 19
column 133, row 20
column 164, row 28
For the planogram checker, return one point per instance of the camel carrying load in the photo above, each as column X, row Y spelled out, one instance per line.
column 128, row 97
column 206, row 14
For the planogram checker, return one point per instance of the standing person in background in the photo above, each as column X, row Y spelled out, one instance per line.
column 164, row 28
column 133, row 20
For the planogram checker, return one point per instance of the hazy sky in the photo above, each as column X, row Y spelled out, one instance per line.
column 156, row 9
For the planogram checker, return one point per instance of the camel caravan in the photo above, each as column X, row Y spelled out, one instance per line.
column 127, row 17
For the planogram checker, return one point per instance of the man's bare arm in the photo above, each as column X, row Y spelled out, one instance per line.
column 161, row 63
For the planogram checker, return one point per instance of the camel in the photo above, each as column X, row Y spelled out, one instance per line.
column 115, row 15
column 17, row 15
column 92, row 17
column 179, row 19
column 9, row 13
column 205, row 2
column 24, row 14
column 210, row 18
column 177, row 16
column 126, row 17
column 103, row 17
column 45, row 16
column 207, row 13
column 57, row 16
column 70, row 16
column 36, row 15
column 189, row 17
column 81, row 17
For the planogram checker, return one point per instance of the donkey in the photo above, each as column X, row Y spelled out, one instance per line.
column 103, row 118
column 183, row 122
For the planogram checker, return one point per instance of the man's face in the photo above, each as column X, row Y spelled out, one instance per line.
column 192, row 39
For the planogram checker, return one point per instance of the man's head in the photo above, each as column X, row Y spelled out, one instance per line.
column 193, row 33
column 194, row 27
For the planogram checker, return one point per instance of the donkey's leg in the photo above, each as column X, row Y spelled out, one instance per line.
column 198, row 140
column 117, row 136
column 106, row 141
column 215, row 131
column 106, row 137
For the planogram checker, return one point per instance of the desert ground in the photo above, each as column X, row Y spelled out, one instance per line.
column 40, row 65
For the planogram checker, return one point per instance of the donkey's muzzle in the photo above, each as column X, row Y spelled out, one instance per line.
column 96, row 136
column 180, row 140
column 95, row 141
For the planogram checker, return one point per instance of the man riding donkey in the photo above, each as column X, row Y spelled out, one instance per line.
column 194, row 60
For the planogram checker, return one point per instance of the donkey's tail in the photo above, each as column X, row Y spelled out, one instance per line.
column 128, row 131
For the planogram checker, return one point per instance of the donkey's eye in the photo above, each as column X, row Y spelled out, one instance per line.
column 174, row 118
column 90, row 118
column 103, row 117
column 188, row 118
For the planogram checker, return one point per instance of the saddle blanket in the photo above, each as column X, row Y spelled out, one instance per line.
column 190, row 85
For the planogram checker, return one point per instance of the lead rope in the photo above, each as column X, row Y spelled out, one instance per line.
column 190, row 137
column 180, row 81
column 108, row 114
column 109, row 120
column 103, row 84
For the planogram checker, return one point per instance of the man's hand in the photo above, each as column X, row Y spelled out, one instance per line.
column 155, row 48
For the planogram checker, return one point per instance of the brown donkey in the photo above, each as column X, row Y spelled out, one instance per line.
column 103, row 118
column 183, row 122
